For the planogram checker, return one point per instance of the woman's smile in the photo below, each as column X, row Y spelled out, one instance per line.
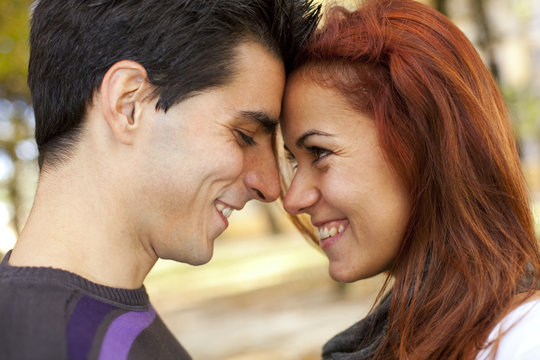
column 356, row 200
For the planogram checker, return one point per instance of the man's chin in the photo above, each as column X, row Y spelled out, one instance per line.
column 202, row 256
column 193, row 256
column 200, row 261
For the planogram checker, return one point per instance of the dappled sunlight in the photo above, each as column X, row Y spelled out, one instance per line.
column 7, row 239
column 536, row 215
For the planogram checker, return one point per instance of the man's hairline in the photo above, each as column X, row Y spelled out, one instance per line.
column 261, row 117
column 246, row 38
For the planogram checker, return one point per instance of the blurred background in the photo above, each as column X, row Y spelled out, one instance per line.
column 266, row 294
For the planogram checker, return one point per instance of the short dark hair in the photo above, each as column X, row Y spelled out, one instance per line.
column 185, row 46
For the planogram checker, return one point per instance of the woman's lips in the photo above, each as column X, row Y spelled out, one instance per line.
column 331, row 231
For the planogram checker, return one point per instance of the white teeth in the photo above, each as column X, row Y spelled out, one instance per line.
column 325, row 233
column 226, row 211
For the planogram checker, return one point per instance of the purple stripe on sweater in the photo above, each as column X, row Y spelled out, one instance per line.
column 82, row 326
column 123, row 332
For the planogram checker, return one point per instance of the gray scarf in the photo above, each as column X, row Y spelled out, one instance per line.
column 360, row 341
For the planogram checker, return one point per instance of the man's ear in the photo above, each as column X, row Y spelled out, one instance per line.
column 123, row 91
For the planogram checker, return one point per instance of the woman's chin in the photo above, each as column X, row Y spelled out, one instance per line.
column 342, row 275
column 348, row 274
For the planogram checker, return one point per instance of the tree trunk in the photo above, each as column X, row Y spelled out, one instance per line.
column 440, row 5
column 486, row 40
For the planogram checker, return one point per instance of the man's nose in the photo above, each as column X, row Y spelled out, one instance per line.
column 300, row 196
column 262, row 178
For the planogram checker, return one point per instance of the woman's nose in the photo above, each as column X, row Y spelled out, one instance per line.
column 300, row 196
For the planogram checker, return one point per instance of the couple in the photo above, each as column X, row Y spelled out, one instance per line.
column 156, row 119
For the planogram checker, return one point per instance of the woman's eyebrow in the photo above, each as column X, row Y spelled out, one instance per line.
column 262, row 119
column 302, row 139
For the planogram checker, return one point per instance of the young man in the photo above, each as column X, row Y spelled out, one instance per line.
column 154, row 120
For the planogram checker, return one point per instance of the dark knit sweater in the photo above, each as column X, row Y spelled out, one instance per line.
column 48, row 313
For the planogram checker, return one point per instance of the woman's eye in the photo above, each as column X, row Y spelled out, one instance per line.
column 245, row 139
column 318, row 153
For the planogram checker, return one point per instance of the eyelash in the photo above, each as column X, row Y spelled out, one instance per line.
column 318, row 152
column 247, row 140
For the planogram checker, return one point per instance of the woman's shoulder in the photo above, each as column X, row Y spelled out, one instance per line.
column 520, row 331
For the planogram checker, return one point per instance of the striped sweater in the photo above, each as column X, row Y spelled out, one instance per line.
column 47, row 313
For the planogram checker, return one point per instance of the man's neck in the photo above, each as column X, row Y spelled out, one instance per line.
column 76, row 226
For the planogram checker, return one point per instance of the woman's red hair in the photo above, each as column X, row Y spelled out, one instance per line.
column 469, row 247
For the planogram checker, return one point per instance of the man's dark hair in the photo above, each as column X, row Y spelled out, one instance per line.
column 186, row 46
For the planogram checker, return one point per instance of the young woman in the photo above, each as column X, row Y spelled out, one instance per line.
column 406, row 163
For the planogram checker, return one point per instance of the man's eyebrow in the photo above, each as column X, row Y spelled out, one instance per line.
column 302, row 139
column 268, row 124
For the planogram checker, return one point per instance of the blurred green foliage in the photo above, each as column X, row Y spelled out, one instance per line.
column 525, row 107
column 14, row 30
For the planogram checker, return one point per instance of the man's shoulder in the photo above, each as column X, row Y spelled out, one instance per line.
column 32, row 291
column 69, row 319
column 36, row 312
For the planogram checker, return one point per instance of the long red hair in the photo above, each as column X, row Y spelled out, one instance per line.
column 469, row 247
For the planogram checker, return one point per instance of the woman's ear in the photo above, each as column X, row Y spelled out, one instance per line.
column 123, row 91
